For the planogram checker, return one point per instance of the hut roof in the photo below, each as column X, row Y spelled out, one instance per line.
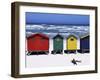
column 71, row 36
column 38, row 34
column 84, row 36
column 58, row 35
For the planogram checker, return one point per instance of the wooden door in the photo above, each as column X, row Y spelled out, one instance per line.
column 58, row 44
column 71, row 43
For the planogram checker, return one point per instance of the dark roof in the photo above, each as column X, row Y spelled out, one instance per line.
column 38, row 34
column 58, row 35
column 71, row 36
column 84, row 36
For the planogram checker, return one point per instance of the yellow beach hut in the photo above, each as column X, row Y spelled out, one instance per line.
column 71, row 43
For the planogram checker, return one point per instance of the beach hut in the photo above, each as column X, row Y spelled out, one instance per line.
column 37, row 44
column 57, row 44
column 71, row 42
column 84, row 44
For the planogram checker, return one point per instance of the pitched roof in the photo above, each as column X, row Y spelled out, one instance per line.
column 71, row 36
column 58, row 35
column 38, row 34
column 84, row 36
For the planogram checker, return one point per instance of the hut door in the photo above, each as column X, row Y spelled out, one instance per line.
column 58, row 44
column 71, row 43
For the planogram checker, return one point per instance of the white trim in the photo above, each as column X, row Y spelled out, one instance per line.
column 24, row 70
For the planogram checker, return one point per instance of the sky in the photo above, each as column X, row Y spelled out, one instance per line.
column 58, row 19
column 52, row 24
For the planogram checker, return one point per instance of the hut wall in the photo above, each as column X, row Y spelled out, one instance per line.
column 84, row 43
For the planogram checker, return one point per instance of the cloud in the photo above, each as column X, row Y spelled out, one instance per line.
column 57, row 27
column 34, row 27
column 54, row 29
column 75, row 29
column 29, row 33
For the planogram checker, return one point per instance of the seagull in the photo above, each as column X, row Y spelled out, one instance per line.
column 75, row 61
